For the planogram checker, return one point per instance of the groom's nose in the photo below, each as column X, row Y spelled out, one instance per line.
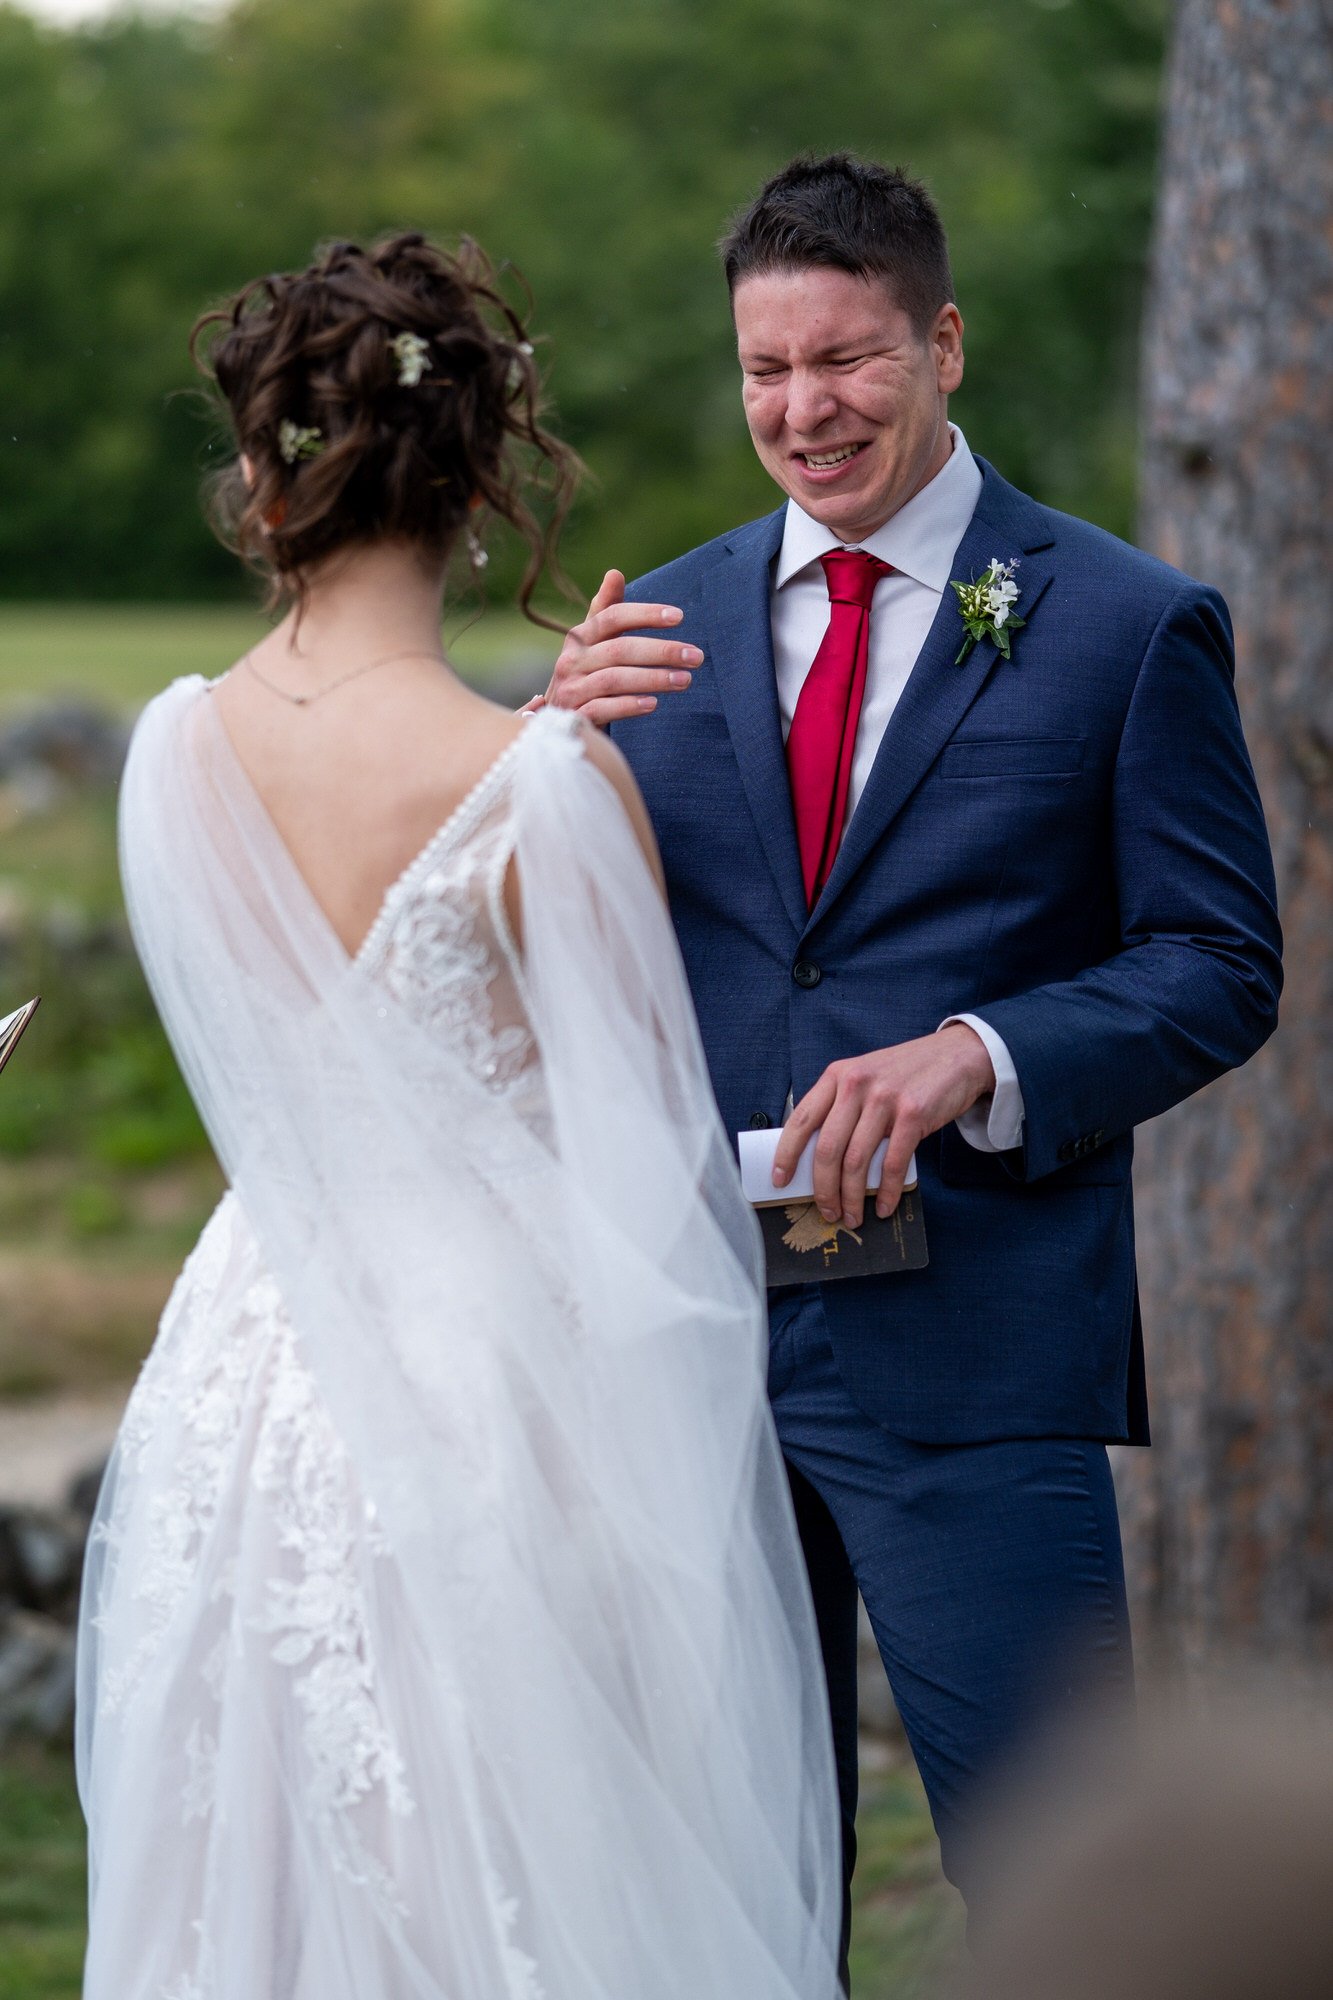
column 811, row 401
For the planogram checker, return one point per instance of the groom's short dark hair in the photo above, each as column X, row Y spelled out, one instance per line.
column 854, row 215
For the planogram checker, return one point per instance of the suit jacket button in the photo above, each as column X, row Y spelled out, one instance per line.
column 759, row 1121
column 806, row 974
column 1069, row 1150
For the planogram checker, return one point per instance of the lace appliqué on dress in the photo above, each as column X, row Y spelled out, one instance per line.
column 441, row 943
column 202, row 1382
column 319, row 1613
column 197, row 1392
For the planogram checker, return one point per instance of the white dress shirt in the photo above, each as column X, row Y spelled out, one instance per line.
column 919, row 543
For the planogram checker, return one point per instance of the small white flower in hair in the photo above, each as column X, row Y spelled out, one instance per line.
column 412, row 354
column 299, row 440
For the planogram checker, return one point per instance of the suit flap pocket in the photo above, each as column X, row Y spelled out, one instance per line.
column 1012, row 757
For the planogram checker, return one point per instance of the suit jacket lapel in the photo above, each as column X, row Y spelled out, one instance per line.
column 939, row 693
column 740, row 648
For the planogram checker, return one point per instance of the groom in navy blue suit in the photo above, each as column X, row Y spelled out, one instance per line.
column 1044, row 913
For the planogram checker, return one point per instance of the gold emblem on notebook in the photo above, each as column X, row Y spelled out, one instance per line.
column 808, row 1230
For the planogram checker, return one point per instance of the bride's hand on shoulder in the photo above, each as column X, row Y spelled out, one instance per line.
column 609, row 675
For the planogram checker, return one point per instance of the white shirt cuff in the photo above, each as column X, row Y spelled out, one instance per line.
column 994, row 1125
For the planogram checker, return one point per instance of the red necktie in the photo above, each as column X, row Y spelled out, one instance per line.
column 823, row 730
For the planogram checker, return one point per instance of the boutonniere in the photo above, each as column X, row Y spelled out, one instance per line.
column 987, row 607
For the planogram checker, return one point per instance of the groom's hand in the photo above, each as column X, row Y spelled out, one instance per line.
column 607, row 675
column 901, row 1094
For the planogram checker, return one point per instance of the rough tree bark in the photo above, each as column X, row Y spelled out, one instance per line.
column 1229, row 1520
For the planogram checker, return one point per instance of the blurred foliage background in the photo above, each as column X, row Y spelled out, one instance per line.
column 148, row 165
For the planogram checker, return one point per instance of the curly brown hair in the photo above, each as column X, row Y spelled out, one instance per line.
column 312, row 352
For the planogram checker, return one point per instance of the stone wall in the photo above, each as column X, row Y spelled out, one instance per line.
column 41, row 1562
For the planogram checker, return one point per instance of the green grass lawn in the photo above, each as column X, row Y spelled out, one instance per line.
column 105, row 1176
column 908, row 1923
column 906, row 1919
column 41, row 1876
column 121, row 654
column 66, row 856
column 118, row 654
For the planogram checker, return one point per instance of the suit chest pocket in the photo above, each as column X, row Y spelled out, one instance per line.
column 992, row 757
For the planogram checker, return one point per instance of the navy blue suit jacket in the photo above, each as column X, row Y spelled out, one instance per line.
column 1068, row 844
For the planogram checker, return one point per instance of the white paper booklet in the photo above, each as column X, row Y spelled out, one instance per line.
column 758, row 1149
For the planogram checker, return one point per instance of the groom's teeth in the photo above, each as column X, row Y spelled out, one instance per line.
column 825, row 459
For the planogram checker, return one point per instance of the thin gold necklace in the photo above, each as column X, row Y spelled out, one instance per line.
column 305, row 700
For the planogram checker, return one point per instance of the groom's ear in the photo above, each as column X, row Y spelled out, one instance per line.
column 946, row 341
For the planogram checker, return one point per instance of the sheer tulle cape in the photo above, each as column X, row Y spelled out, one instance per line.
column 539, row 1337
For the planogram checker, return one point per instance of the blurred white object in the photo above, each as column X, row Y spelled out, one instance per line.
column 12, row 1026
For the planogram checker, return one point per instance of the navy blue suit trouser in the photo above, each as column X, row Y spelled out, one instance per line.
column 992, row 1574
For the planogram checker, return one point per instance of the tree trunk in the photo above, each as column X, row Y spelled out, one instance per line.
column 1229, row 1520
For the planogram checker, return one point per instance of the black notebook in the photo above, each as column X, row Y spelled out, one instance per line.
column 800, row 1247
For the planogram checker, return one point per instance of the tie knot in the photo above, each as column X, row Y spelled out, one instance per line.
column 852, row 575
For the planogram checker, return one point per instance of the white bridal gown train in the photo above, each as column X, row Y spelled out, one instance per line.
column 444, row 1628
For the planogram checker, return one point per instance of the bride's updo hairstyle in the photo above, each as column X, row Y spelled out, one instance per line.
column 381, row 394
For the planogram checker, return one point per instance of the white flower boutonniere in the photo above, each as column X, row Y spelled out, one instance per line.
column 987, row 607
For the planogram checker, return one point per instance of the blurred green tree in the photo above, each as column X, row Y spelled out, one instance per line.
column 148, row 166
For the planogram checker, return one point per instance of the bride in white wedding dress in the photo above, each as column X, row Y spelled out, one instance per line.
column 444, row 1629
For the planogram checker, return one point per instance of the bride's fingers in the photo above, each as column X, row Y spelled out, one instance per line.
column 585, row 688
column 615, row 618
column 590, row 668
column 620, row 709
column 608, row 622
column 610, row 591
column 614, row 654
column 580, row 637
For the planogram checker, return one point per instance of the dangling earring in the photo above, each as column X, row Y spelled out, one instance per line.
column 476, row 554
